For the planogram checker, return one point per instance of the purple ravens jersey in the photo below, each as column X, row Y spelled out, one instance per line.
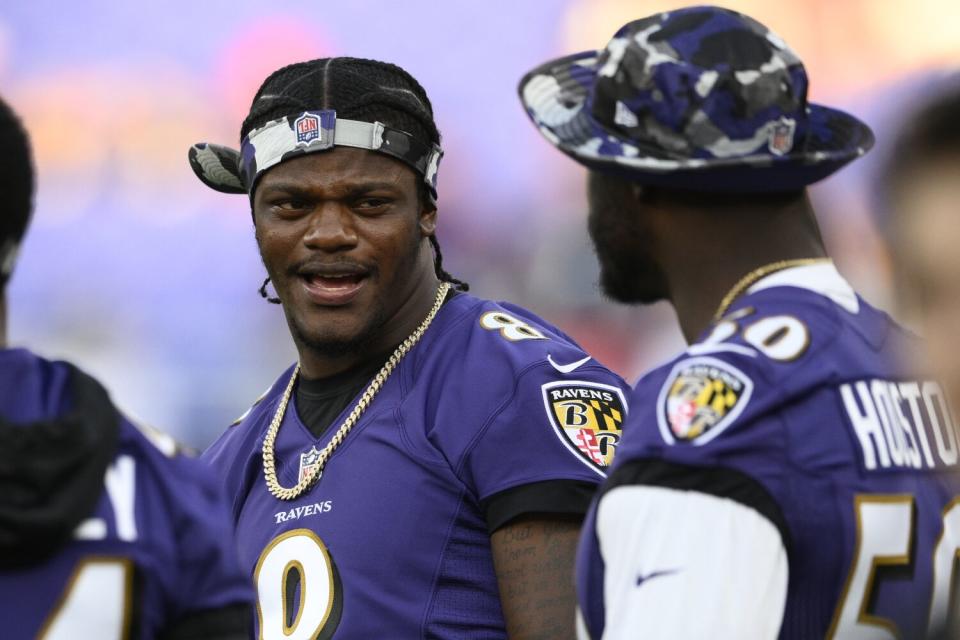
column 106, row 531
column 798, row 406
column 393, row 540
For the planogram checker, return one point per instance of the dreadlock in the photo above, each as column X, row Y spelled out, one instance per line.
column 438, row 266
column 359, row 89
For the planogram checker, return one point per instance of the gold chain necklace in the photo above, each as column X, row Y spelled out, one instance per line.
column 269, row 440
column 755, row 275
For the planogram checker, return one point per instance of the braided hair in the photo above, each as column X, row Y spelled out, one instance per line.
column 359, row 89
column 16, row 185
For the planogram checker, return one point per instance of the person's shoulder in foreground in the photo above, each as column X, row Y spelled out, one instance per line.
column 106, row 529
column 105, row 532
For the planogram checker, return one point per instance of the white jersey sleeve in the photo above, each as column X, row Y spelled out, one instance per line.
column 684, row 564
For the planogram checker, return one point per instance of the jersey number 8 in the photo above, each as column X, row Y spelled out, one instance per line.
column 299, row 596
column 513, row 329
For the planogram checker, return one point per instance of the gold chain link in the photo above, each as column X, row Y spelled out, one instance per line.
column 757, row 274
column 269, row 440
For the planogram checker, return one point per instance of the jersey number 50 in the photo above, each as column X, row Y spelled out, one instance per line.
column 885, row 526
column 299, row 596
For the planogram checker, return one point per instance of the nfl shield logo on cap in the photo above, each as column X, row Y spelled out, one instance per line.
column 308, row 128
column 781, row 136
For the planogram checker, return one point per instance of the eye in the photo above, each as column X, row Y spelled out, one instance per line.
column 289, row 205
column 371, row 204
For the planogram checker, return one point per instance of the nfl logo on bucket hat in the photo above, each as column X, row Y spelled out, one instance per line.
column 701, row 98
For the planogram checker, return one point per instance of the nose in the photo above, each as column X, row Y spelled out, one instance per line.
column 331, row 229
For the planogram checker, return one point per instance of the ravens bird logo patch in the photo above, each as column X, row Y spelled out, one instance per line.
column 700, row 398
column 587, row 417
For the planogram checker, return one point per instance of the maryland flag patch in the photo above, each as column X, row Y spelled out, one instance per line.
column 701, row 397
column 587, row 417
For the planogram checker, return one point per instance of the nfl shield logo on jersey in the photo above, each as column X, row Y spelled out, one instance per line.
column 308, row 128
column 308, row 462
column 588, row 418
column 700, row 398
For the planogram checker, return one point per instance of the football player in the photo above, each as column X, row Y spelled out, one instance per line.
column 784, row 475
column 424, row 468
column 106, row 531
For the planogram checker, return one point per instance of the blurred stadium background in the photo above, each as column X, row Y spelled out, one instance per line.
column 148, row 279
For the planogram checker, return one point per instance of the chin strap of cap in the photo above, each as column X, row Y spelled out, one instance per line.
column 232, row 171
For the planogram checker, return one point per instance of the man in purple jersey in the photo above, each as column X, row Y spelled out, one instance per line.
column 106, row 531
column 423, row 471
column 786, row 475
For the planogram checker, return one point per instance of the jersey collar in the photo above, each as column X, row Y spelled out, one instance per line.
column 822, row 278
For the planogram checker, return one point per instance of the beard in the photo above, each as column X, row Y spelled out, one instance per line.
column 628, row 273
column 619, row 282
column 333, row 344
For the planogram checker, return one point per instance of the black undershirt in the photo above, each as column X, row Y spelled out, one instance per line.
column 320, row 401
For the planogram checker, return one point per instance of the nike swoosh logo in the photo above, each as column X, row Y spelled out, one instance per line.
column 655, row 574
column 567, row 368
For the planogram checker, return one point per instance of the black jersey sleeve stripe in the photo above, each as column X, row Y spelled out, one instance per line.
column 550, row 497
column 722, row 482
column 227, row 623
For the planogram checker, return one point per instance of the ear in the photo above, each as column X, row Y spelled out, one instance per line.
column 428, row 220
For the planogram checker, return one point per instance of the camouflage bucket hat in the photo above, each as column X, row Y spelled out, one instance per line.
column 702, row 98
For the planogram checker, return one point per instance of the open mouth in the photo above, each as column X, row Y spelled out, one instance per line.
column 332, row 288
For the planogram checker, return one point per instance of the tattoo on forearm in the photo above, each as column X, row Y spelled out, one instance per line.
column 534, row 561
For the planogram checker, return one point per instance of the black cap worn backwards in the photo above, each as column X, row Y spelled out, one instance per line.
column 312, row 106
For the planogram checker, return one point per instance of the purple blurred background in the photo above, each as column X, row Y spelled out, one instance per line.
column 148, row 279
